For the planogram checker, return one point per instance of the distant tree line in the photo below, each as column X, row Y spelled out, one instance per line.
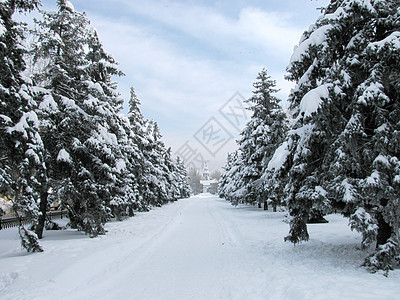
column 340, row 150
column 62, row 138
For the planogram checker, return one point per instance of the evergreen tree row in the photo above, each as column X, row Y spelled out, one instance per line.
column 62, row 137
column 341, row 152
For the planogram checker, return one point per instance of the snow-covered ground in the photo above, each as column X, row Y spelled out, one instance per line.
column 197, row 248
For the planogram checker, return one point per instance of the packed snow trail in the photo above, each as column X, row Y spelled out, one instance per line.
column 197, row 248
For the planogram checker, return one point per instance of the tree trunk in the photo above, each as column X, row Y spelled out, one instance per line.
column 75, row 216
column 43, row 209
column 259, row 204
column 384, row 230
column 265, row 205
column 274, row 206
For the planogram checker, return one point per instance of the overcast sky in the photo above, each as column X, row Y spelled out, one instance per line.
column 187, row 59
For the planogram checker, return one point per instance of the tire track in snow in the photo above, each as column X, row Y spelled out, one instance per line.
column 122, row 257
column 226, row 234
column 193, row 257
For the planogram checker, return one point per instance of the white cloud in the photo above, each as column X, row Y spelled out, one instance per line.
column 270, row 30
column 175, row 77
column 165, row 74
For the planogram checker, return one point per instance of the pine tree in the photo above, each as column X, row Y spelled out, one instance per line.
column 111, row 142
column 139, row 154
column 157, row 168
column 74, row 116
column 20, row 143
column 171, row 177
column 343, row 144
column 137, row 164
column 264, row 132
column 182, row 178
column 224, row 180
column 231, row 185
column 245, row 179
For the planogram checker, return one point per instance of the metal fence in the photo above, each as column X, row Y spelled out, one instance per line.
column 15, row 221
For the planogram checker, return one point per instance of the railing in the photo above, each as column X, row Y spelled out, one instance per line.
column 15, row 221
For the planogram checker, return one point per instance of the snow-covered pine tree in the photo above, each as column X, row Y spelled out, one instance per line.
column 157, row 169
column 149, row 181
column 20, row 144
column 261, row 136
column 161, row 172
column 136, row 118
column 275, row 177
column 138, row 154
column 110, row 141
column 182, row 178
column 344, row 142
column 79, row 168
column 245, row 178
column 170, row 176
column 224, row 180
column 232, row 185
column 178, row 177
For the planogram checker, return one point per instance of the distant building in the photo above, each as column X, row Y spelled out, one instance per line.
column 209, row 185
column 206, row 172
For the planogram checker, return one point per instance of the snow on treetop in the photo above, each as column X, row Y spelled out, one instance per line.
column 93, row 31
column 69, row 5
column 2, row 29
column 393, row 39
column 23, row 123
column 373, row 91
column 367, row 3
column 318, row 37
column 48, row 103
column 320, row 190
column 31, row 153
column 279, row 157
column 63, row 155
column 105, row 136
column 306, row 76
column 312, row 100
column 349, row 192
column 94, row 85
column 120, row 165
column 381, row 128
column 340, row 12
column 374, row 178
column 381, row 159
column 5, row 118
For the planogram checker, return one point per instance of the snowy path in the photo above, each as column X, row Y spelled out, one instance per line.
column 197, row 248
